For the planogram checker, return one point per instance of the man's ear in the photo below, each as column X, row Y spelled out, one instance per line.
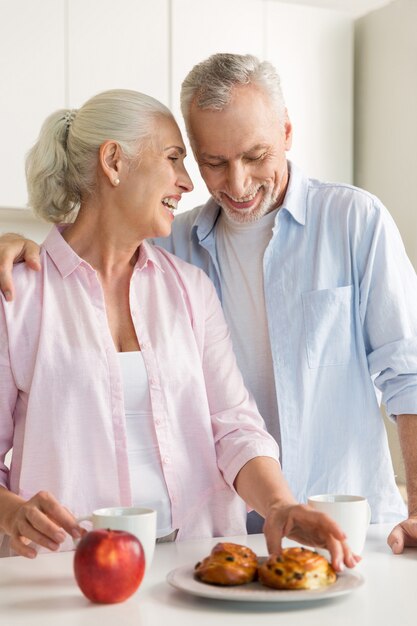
column 287, row 131
column 110, row 159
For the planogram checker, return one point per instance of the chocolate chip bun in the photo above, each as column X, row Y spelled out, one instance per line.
column 296, row 568
column 228, row 564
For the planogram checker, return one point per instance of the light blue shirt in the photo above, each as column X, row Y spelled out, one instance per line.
column 341, row 300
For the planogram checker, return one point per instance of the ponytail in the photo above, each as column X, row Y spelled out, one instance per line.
column 50, row 192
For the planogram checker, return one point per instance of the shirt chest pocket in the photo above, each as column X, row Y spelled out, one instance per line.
column 328, row 320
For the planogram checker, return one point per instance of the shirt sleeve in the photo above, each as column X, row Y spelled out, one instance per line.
column 8, row 397
column 388, row 308
column 238, row 429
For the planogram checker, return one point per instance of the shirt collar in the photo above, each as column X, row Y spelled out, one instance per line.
column 148, row 253
column 64, row 257
column 295, row 202
column 67, row 260
column 206, row 219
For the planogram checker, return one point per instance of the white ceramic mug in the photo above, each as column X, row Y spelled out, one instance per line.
column 352, row 513
column 139, row 521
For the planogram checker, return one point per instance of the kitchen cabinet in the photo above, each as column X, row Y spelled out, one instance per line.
column 117, row 45
column 57, row 53
column 313, row 51
column 32, row 84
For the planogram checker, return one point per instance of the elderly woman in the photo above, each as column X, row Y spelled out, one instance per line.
column 118, row 384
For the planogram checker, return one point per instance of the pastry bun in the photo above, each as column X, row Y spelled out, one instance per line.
column 296, row 568
column 228, row 564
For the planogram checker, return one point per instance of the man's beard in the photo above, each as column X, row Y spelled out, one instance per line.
column 242, row 216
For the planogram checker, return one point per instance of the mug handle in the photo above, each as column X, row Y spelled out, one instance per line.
column 87, row 518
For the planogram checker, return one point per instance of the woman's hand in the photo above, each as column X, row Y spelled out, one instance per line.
column 14, row 249
column 262, row 485
column 41, row 520
column 309, row 527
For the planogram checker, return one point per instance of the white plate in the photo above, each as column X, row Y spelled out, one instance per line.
column 183, row 578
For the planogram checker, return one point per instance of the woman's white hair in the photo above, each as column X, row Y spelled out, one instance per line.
column 61, row 166
column 209, row 84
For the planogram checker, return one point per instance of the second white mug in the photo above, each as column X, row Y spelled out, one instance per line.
column 352, row 513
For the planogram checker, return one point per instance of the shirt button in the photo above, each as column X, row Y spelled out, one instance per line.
column 157, row 422
column 166, row 460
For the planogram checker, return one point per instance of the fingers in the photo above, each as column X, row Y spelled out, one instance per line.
column 20, row 547
column 6, row 283
column 30, row 254
column 42, row 521
column 14, row 248
column 27, row 531
column 396, row 540
column 341, row 554
column 59, row 518
column 45, row 532
column 273, row 536
column 403, row 535
column 336, row 553
column 309, row 527
column 335, row 541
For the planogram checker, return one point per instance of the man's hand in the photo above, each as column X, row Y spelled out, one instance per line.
column 14, row 249
column 309, row 527
column 403, row 535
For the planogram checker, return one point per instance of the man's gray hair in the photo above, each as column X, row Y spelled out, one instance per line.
column 209, row 84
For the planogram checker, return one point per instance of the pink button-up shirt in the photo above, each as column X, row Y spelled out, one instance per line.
column 61, row 399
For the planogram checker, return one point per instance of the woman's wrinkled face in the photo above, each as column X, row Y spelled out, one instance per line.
column 154, row 184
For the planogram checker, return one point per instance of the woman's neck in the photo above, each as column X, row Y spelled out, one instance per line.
column 98, row 237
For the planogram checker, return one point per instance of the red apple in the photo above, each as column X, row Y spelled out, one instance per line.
column 109, row 565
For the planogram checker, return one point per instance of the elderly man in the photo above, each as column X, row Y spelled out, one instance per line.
column 316, row 288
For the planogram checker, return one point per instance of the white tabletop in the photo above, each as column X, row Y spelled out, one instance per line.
column 43, row 591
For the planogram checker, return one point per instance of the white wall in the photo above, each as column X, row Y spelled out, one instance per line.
column 60, row 52
column 313, row 50
column 24, row 222
column 386, row 112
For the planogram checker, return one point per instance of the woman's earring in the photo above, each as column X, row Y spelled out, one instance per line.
column 116, row 181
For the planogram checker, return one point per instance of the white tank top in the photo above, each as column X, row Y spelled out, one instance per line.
column 147, row 480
